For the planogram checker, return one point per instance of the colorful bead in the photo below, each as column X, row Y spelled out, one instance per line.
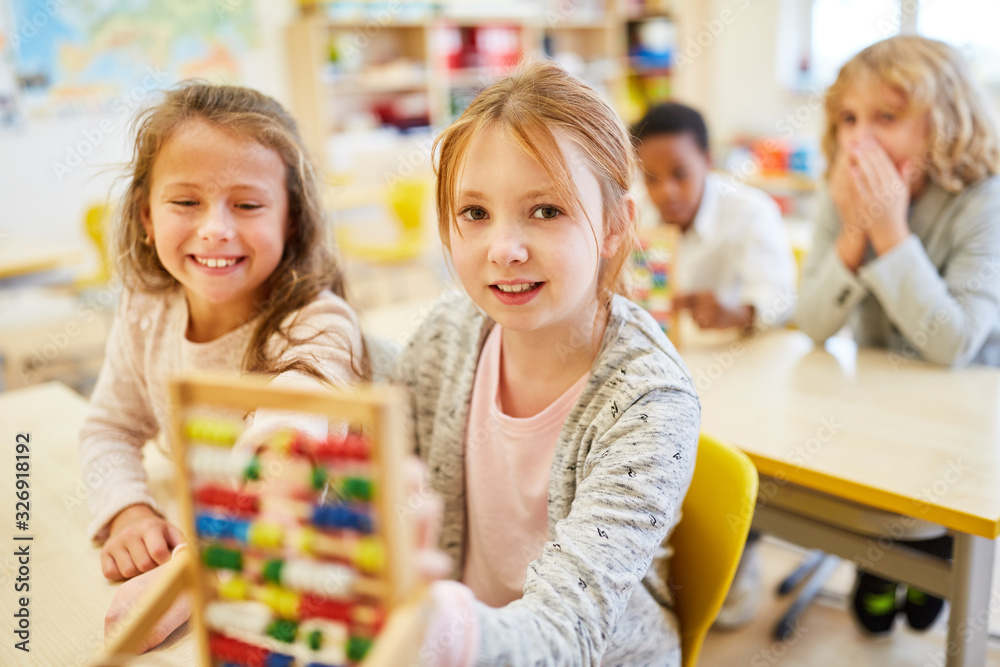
column 264, row 534
column 220, row 558
column 357, row 648
column 283, row 630
column 369, row 555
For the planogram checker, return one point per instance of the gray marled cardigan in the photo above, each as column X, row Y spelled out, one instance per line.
column 619, row 473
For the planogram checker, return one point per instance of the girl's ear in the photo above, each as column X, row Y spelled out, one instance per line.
column 618, row 229
column 147, row 222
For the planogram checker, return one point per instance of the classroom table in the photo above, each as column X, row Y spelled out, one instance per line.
column 866, row 429
column 68, row 595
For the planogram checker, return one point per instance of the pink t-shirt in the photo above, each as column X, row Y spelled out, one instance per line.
column 507, row 462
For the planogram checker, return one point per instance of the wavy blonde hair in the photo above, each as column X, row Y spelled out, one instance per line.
column 933, row 78
column 307, row 265
column 531, row 105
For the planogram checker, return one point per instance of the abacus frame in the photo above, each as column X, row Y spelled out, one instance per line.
column 378, row 410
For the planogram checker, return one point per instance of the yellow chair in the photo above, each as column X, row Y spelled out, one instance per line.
column 709, row 538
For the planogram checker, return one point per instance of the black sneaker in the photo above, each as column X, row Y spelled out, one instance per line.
column 921, row 609
column 875, row 603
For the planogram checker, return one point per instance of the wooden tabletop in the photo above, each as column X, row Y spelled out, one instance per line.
column 868, row 426
column 21, row 255
column 68, row 595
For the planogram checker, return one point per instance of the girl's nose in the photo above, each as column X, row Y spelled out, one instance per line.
column 217, row 226
column 507, row 245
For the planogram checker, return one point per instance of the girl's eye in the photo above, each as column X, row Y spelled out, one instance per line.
column 249, row 206
column 473, row 213
column 886, row 117
column 546, row 212
column 847, row 119
column 184, row 202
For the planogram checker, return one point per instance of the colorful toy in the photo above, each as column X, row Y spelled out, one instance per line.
column 301, row 555
column 652, row 276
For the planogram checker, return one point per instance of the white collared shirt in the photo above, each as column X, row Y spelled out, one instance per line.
column 737, row 248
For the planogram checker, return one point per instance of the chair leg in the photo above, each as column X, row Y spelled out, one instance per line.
column 811, row 562
column 823, row 571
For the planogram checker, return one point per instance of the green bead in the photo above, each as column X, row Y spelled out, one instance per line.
column 315, row 640
column 272, row 571
column 283, row 630
column 318, row 478
column 359, row 488
column 253, row 469
column 220, row 558
column 357, row 647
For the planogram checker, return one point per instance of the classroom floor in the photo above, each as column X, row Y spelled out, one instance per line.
column 827, row 635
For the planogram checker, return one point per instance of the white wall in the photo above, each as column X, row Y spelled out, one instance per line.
column 51, row 169
column 733, row 76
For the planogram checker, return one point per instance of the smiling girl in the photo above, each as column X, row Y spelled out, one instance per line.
column 556, row 420
column 224, row 268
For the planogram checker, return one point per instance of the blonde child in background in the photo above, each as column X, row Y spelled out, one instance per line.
column 907, row 241
column 734, row 264
column 556, row 420
column 220, row 241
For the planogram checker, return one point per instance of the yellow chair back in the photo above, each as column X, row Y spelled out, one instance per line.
column 708, row 541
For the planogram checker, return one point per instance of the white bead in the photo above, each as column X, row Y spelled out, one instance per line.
column 327, row 579
column 245, row 616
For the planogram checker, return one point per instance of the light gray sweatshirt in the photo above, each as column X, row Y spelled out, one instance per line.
column 935, row 296
column 621, row 468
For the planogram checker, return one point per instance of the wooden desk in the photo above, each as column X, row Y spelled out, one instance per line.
column 21, row 255
column 68, row 595
column 872, row 428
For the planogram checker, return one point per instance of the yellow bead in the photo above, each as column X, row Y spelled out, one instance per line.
column 307, row 541
column 285, row 603
column 369, row 555
column 262, row 534
column 234, row 589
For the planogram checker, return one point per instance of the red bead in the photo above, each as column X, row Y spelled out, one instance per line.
column 234, row 501
column 315, row 606
column 228, row 649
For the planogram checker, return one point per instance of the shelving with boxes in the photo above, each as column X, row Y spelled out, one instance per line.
column 361, row 67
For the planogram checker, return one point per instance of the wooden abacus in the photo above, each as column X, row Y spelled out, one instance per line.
column 302, row 554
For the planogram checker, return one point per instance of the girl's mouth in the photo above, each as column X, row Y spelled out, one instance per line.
column 217, row 262
column 516, row 294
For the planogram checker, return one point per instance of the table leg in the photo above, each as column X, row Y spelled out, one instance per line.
column 968, row 624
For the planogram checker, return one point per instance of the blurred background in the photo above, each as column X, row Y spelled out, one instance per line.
column 371, row 84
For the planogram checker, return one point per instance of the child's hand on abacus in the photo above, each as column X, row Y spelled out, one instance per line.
column 140, row 539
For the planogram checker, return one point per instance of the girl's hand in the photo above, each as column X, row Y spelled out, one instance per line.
column 882, row 194
column 123, row 608
column 140, row 540
column 708, row 313
column 431, row 563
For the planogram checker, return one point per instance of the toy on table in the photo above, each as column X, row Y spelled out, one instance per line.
column 301, row 555
column 652, row 276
